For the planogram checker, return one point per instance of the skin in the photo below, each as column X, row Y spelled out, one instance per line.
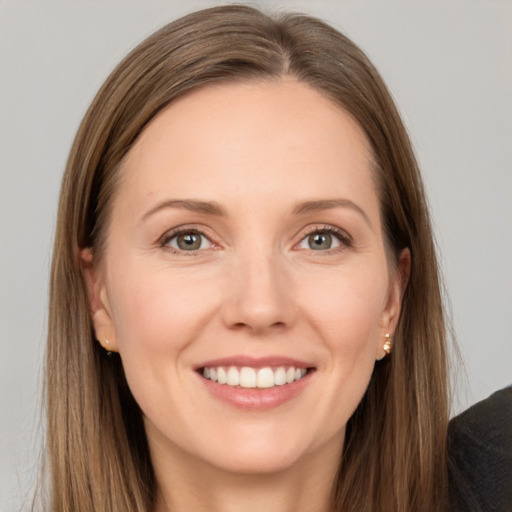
column 256, row 287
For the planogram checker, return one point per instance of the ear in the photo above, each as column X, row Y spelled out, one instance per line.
column 399, row 278
column 101, row 313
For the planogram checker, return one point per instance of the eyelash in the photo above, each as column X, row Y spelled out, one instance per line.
column 344, row 239
column 184, row 230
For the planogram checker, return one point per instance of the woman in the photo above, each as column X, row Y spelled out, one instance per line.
column 242, row 266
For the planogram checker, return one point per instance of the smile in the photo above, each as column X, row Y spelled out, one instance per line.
column 256, row 383
column 248, row 377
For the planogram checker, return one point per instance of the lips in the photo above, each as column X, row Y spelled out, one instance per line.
column 251, row 383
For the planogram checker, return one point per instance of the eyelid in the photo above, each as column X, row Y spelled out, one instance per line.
column 183, row 229
column 344, row 238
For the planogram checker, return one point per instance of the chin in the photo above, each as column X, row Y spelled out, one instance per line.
column 258, row 455
column 253, row 464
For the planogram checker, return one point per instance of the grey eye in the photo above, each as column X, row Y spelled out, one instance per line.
column 320, row 241
column 190, row 241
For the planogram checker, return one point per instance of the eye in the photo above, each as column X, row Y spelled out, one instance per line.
column 187, row 241
column 324, row 240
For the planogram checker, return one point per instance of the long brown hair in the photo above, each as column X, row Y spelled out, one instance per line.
column 98, row 458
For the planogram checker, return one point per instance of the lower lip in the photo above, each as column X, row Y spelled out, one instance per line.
column 257, row 399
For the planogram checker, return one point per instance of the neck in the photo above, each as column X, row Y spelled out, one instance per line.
column 304, row 487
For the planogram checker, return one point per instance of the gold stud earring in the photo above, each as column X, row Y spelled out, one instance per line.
column 109, row 352
column 387, row 344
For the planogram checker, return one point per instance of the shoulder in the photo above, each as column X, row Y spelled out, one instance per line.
column 480, row 456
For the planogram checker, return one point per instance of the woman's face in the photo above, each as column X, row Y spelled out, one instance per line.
column 245, row 244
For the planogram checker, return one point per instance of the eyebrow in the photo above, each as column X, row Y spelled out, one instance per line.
column 214, row 208
column 329, row 204
column 193, row 205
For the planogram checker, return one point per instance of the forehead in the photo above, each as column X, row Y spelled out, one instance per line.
column 267, row 138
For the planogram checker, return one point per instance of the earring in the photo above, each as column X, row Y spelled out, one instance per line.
column 109, row 352
column 387, row 344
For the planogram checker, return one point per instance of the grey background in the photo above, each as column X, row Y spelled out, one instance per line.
column 449, row 66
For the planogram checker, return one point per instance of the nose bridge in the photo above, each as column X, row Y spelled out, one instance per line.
column 260, row 297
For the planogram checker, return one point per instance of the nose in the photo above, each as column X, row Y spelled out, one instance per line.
column 259, row 296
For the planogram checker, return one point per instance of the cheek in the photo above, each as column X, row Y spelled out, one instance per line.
column 347, row 309
column 346, row 315
column 159, row 310
column 157, row 316
column 344, row 312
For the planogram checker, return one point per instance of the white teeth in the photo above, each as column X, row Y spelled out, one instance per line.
column 221, row 376
column 280, row 376
column 233, row 377
column 247, row 377
column 265, row 378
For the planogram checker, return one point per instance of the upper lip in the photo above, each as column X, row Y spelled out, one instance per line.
column 255, row 362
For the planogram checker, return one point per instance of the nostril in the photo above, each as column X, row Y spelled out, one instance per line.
column 257, row 327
